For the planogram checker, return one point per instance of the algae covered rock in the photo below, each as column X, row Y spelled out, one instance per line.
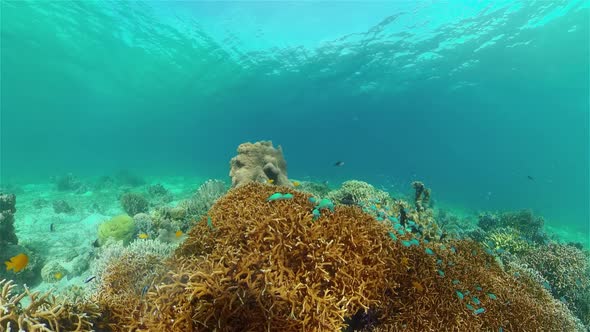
column 259, row 162
column 120, row 228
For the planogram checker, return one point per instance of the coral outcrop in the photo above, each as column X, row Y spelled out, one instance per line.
column 259, row 162
column 256, row 264
column 356, row 192
column 7, row 210
column 134, row 203
column 421, row 196
column 119, row 228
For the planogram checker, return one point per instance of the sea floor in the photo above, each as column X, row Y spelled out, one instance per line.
column 68, row 238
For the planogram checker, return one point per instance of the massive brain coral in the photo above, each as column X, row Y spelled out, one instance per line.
column 259, row 265
column 258, row 162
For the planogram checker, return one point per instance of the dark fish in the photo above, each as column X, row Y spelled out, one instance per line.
column 52, row 228
column 89, row 279
column 530, row 178
column 144, row 290
column 339, row 164
column 95, row 243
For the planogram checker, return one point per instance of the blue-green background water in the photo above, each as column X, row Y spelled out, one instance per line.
column 470, row 97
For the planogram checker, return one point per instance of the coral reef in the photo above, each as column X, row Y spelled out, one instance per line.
column 7, row 211
column 119, row 228
column 316, row 189
column 44, row 312
column 259, row 162
column 567, row 271
column 134, row 203
column 507, row 239
column 126, row 275
column 255, row 263
column 198, row 205
column 421, row 197
column 360, row 193
column 61, row 206
column 527, row 224
column 158, row 194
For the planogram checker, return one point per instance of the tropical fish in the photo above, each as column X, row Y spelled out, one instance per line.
column 17, row 263
column 143, row 236
column 89, row 279
column 58, row 276
column 178, row 233
column 52, row 228
column 339, row 163
column 271, row 181
column 530, row 178
column 296, row 183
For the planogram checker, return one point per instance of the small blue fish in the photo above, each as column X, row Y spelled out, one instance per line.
column 316, row 213
column 326, row 204
column 479, row 311
column 460, row 295
column 470, row 307
column 429, row 251
column 476, row 300
column 414, row 242
column 312, row 200
column 144, row 290
column 274, row 197
column 492, row 296
column 441, row 273
column 456, row 282
column 406, row 243
column 288, row 196
column 391, row 235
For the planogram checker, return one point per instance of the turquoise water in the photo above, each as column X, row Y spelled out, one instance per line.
column 469, row 97
column 486, row 102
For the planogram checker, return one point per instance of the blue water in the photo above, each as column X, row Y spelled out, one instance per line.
column 470, row 97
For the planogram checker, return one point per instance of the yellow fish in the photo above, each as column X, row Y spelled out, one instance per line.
column 378, row 206
column 143, row 236
column 271, row 181
column 296, row 183
column 58, row 275
column 17, row 263
column 178, row 233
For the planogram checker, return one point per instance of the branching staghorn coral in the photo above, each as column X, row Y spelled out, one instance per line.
column 44, row 313
column 255, row 265
column 125, row 274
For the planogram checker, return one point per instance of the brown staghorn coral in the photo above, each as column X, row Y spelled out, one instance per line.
column 254, row 265
column 44, row 312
